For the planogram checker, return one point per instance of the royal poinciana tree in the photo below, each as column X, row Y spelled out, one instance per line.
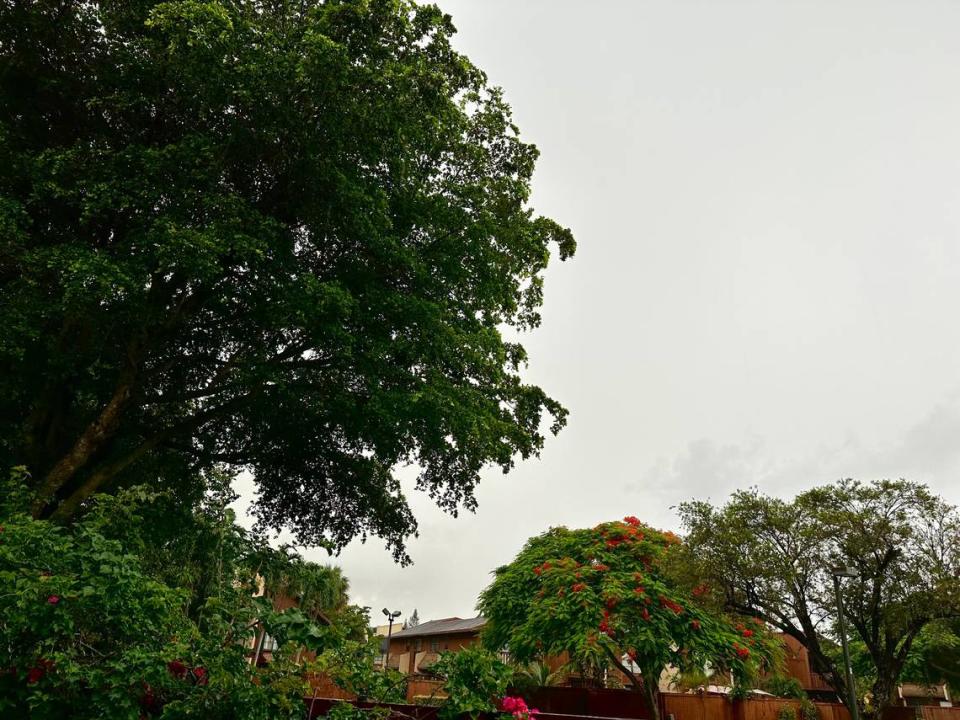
column 773, row 558
column 276, row 236
column 608, row 595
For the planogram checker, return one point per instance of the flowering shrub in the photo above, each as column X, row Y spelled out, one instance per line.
column 517, row 707
column 611, row 597
column 87, row 631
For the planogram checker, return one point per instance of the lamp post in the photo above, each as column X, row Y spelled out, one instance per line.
column 391, row 616
column 851, row 685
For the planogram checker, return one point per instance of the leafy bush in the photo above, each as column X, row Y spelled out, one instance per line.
column 350, row 665
column 808, row 711
column 783, row 686
column 787, row 713
column 475, row 681
column 95, row 623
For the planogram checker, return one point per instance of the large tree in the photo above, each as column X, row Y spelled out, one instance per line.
column 610, row 595
column 280, row 236
column 773, row 558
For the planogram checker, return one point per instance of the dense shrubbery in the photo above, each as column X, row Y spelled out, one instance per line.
column 141, row 610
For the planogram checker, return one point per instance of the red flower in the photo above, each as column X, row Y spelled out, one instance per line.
column 200, row 675
column 600, row 567
column 53, row 599
column 631, row 520
column 645, row 614
column 632, row 654
column 177, row 668
column 670, row 604
column 639, row 590
column 577, row 587
column 35, row 674
column 748, row 633
column 611, row 602
column 701, row 589
column 695, row 624
column 742, row 652
column 613, row 543
column 546, row 565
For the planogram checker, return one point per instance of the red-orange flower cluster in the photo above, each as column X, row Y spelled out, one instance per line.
column 671, row 605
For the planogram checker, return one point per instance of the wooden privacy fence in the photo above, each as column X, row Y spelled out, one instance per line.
column 565, row 703
column 932, row 712
column 697, row 707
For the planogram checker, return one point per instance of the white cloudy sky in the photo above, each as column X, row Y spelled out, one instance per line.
column 766, row 197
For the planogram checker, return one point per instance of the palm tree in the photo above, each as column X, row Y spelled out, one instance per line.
column 536, row 675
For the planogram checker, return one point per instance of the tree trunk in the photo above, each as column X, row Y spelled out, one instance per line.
column 884, row 691
column 651, row 691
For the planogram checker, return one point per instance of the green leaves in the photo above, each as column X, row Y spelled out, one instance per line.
column 283, row 239
column 774, row 557
column 137, row 609
column 612, row 595
column 474, row 680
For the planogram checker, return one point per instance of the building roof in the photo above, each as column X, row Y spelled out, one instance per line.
column 447, row 626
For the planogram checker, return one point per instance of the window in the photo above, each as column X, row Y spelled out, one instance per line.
column 434, row 645
column 418, row 645
column 269, row 644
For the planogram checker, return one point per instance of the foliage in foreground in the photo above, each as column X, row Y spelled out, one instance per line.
column 150, row 626
column 350, row 664
column 279, row 236
column 609, row 596
column 772, row 558
column 475, row 681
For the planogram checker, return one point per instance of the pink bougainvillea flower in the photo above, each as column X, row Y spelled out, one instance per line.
column 53, row 599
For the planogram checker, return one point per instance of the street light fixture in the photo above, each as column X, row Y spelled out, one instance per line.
column 391, row 616
column 846, row 572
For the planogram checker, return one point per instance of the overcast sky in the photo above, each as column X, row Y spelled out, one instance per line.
column 766, row 197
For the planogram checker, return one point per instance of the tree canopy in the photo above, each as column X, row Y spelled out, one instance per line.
column 773, row 558
column 282, row 237
column 609, row 594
